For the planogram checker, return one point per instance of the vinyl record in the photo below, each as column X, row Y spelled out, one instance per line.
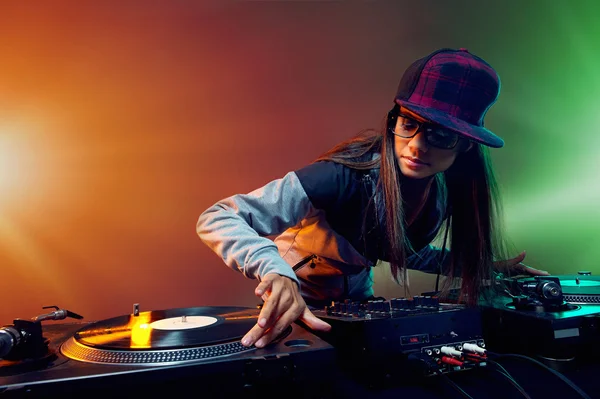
column 579, row 282
column 169, row 329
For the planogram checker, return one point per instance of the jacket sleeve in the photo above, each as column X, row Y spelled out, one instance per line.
column 235, row 228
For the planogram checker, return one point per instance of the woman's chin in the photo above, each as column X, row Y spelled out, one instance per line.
column 413, row 173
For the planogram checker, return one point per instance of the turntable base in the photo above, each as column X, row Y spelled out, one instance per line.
column 163, row 364
column 560, row 334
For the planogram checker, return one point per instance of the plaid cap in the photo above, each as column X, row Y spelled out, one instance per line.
column 454, row 89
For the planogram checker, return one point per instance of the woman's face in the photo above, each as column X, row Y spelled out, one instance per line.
column 417, row 158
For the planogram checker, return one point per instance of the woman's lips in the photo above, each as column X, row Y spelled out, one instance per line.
column 414, row 163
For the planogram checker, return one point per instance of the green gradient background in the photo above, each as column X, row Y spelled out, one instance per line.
column 549, row 116
column 131, row 118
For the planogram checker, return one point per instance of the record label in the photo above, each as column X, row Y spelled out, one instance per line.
column 183, row 322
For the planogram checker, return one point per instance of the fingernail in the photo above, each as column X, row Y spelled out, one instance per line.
column 246, row 341
column 262, row 322
column 259, row 292
column 260, row 343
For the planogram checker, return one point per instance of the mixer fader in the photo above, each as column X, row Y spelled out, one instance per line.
column 396, row 307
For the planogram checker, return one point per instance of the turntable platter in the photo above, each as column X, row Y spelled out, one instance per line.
column 169, row 329
column 581, row 289
column 581, row 283
column 164, row 336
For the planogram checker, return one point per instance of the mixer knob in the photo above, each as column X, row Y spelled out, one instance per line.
column 410, row 304
column 403, row 303
column 426, row 301
column 435, row 301
column 370, row 306
column 386, row 306
column 418, row 300
column 379, row 306
column 584, row 273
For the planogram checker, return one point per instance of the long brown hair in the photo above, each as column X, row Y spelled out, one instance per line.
column 473, row 209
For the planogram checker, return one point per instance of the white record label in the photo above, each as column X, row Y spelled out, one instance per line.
column 183, row 322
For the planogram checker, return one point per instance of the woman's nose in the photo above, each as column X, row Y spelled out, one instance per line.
column 418, row 142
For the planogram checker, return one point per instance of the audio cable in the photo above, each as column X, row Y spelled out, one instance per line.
column 433, row 366
column 498, row 368
column 561, row 376
column 453, row 384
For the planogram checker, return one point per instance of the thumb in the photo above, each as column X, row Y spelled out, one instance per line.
column 313, row 321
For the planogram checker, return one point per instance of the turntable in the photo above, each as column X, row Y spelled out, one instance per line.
column 556, row 318
column 165, row 351
column 582, row 288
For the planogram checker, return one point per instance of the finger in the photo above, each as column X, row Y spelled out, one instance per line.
column 537, row 272
column 263, row 287
column 530, row 270
column 267, row 317
column 510, row 263
column 282, row 323
column 516, row 260
column 253, row 335
column 265, row 314
column 269, row 313
column 313, row 321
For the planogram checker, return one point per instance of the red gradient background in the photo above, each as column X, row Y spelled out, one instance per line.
column 121, row 121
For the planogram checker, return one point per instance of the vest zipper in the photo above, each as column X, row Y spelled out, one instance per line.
column 303, row 262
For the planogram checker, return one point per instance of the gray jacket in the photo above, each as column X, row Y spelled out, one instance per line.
column 317, row 217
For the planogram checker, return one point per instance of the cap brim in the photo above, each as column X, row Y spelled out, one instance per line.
column 475, row 133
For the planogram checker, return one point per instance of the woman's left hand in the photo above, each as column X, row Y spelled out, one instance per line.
column 515, row 266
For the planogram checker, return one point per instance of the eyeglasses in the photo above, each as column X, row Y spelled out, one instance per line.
column 436, row 136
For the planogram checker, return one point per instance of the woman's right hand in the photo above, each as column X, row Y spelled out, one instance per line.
column 283, row 305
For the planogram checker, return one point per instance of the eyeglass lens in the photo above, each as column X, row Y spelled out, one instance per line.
column 435, row 135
